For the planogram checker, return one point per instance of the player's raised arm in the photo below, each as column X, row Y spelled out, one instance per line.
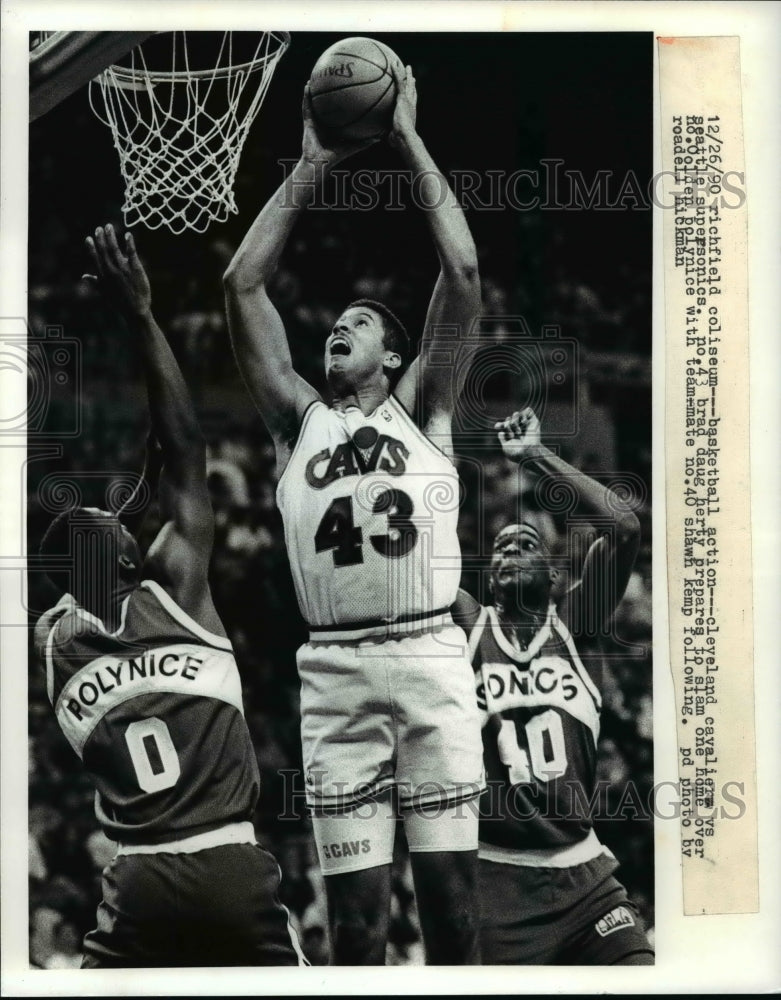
column 430, row 388
column 134, row 509
column 608, row 563
column 257, row 332
column 179, row 556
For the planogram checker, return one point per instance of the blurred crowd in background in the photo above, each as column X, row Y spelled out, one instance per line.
column 595, row 407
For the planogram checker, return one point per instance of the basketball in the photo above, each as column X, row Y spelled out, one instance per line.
column 352, row 88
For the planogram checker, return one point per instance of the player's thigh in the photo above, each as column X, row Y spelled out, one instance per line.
column 442, row 841
column 440, row 752
column 138, row 919
column 444, row 827
column 347, row 732
column 517, row 911
column 355, row 849
column 213, row 907
column 241, row 919
column 617, row 938
column 357, row 839
column 610, row 929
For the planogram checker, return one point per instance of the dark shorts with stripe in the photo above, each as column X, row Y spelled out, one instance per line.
column 217, row 906
column 579, row 915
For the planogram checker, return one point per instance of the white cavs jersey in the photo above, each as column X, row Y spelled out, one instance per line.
column 370, row 510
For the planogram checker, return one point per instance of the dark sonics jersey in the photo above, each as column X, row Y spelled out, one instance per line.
column 155, row 712
column 540, row 712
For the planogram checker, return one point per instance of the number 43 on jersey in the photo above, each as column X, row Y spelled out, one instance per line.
column 338, row 532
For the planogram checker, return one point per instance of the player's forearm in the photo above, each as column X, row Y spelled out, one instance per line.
column 257, row 258
column 133, row 510
column 592, row 499
column 447, row 222
column 174, row 420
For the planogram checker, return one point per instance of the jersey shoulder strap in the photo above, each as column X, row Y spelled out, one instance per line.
column 407, row 420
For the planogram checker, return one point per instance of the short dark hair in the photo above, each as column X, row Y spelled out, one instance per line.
column 57, row 546
column 396, row 338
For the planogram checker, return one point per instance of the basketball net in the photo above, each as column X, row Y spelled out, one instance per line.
column 179, row 132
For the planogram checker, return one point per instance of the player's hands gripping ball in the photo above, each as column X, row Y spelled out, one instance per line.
column 353, row 89
column 406, row 108
column 321, row 146
column 518, row 433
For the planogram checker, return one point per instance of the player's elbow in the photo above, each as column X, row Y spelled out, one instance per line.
column 235, row 279
column 240, row 278
column 469, row 276
column 462, row 283
column 462, row 272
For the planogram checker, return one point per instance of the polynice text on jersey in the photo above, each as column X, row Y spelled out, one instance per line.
column 116, row 673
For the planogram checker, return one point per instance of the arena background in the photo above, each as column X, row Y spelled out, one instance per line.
column 486, row 103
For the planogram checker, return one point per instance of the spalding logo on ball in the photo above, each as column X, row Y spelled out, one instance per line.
column 352, row 88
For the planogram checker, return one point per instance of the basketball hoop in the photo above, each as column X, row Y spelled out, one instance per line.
column 179, row 131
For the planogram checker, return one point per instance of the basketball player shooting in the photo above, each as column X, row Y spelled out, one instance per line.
column 145, row 688
column 387, row 696
column 548, row 894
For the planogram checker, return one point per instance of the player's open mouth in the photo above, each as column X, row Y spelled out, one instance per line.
column 339, row 346
column 512, row 569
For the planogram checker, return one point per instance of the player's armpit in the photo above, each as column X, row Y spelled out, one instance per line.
column 465, row 610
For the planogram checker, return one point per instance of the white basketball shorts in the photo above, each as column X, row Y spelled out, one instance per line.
column 392, row 718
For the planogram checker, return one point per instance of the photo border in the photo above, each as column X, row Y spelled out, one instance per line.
column 694, row 954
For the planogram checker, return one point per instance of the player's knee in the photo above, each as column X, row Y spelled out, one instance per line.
column 452, row 937
column 358, row 938
column 459, row 925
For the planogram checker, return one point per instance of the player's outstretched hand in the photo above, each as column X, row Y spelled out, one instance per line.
column 405, row 111
column 119, row 273
column 320, row 147
column 518, row 433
